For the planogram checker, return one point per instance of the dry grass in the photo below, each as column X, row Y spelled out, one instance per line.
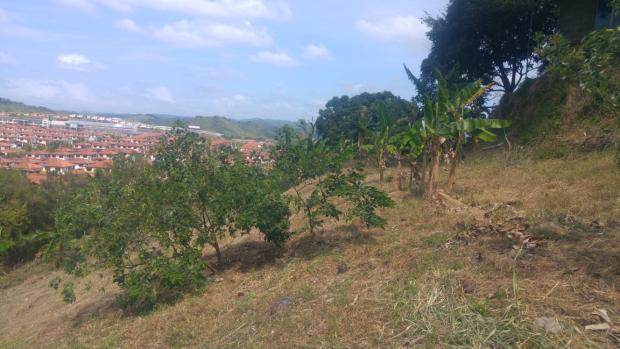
column 403, row 286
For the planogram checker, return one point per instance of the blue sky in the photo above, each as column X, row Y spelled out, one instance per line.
column 238, row 58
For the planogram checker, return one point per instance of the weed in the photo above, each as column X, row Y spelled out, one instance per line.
column 437, row 239
column 440, row 316
column 68, row 293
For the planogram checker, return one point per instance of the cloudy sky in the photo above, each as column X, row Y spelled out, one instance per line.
column 238, row 58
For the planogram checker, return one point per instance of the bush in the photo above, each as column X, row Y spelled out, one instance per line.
column 163, row 279
column 25, row 210
column 304, row 162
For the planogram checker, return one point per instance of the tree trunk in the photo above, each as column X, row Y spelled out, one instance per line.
column 455, row 160
column 425, row 153
column 437, row 163
column 411, row 174
column 434, row 168
column 218, row 253
column 451, row 174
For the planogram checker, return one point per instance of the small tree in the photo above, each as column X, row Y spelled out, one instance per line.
column 316, row 175
column 225, row 195
column 149, row 224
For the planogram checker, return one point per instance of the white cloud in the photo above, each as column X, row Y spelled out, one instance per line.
column 271, row 9
column 47, row 89
column 160, row 93
column 119, row 5
column 275, row 58
column 200, row 33
column 129, row 25
column 317, row 52
column 6, row 59
column 75, row 61
column 275, row 9
column 405, row 29
column 82, row 5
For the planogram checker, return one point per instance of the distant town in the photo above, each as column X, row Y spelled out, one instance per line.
column 45, row 144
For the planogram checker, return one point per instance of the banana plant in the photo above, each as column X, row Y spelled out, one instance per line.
column 407, row 145
column 380, row 141
column 444, row 119
column 460, row 126
column 436, row 130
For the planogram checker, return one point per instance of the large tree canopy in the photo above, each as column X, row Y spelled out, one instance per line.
column 344, row 118
column 488, row 40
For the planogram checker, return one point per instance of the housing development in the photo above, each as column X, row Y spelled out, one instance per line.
column 43, row 145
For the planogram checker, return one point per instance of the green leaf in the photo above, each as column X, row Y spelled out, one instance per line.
column 486, row 136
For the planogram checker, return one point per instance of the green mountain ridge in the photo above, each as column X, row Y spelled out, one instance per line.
column 229, row 128
column 9, row 106
column 247, row 128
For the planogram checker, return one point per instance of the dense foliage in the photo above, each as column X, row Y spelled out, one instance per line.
column 26, row 213
column 487, row 40
column 344, row 119
column 592, row 64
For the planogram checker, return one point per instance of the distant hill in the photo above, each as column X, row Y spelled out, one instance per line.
column 248, row 128
column 230, row 128
column 153, row 119
column 7, row 105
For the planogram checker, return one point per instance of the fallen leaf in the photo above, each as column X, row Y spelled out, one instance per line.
column 602, row 313
column 603, row 326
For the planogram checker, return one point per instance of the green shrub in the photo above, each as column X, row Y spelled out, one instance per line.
column 149, row 223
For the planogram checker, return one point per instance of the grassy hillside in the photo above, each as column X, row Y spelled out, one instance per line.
column 558, row 118
column 7, row 105
column 438, row 275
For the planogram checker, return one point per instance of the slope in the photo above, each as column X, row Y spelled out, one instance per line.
column 434, row 277
column 558, row 118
